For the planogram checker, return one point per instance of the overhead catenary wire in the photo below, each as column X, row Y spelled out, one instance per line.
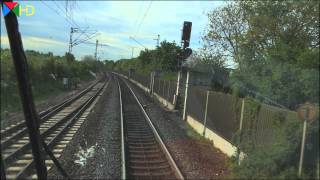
column 58, row 13
column 143, row 18
column 68, row 15
column 71, row 22
column 138, row 15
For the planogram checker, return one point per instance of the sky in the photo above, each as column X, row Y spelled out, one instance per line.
column 48, row 30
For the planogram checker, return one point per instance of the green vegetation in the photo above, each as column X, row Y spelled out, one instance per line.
column 163, row 58
column 46, row 72
column 275, row 45
column 279, row 159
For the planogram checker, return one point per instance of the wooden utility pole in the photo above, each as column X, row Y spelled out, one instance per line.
column 30, row 113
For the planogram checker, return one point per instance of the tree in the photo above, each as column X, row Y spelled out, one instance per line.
column 275, row 45
column 162, row 58
column 225, row 31
column 70, row 57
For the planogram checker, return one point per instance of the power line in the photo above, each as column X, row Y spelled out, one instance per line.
column 68, row 15
column 138, row 42
column 144, row 16
column 54, row 10
column 138, row 15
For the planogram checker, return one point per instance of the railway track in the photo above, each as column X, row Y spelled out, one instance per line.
column 144, row 155
column 58, row 124
column 43, row 115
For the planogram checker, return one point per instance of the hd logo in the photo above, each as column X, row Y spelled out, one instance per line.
column 17, row 9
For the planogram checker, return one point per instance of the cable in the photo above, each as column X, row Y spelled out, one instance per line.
column 138, row 15
column 138, row 42
column 54, row 10
column 144, row 16
column 63, row 11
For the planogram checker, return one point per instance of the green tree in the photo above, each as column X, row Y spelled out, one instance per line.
column 275, row 45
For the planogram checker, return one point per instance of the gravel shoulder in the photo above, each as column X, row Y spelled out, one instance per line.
column 194, row 155
column 100, row 131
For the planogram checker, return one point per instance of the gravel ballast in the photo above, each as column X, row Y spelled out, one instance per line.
column 100, row 132
column 195, row 156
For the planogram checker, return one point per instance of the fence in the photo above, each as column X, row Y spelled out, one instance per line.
column 224, row 112
column 231, row 122
column 260, row 130
column 164, row 88
column 142, row 79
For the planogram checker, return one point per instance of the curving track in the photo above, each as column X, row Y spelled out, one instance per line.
column 144, row 155
column 58, row 124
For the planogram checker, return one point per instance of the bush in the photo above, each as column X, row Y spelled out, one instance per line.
column 45, row 72
column 279, row 159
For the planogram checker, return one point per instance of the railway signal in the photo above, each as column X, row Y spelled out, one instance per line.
column 186, row 34
column 182, row 56
column 185, row 42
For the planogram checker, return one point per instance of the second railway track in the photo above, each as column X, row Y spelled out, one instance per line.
column 144, row 155
column 57, row 127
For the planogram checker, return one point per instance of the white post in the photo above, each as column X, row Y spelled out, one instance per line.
column 240, row 128
column 205, row 115
column 151, row 82
column 318, row 168
column 163, row 89
column 168, row 92
column 177, row 90
column 186, row 97
column 302, row 147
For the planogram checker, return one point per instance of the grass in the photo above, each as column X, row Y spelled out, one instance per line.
column 10, row 98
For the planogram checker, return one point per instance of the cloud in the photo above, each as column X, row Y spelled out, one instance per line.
column 4, row 41
column 116, row 21
column 37, row 43
column 42, row 41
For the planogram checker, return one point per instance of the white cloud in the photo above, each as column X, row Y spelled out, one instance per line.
column 37, row 43
column 116, row 21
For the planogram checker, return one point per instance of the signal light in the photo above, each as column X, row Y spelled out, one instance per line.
column 186, row 33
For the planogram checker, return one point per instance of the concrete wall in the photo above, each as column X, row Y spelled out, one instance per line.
column 218, row 142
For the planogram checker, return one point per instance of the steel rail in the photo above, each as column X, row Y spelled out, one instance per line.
column 45, row 113
column 164, row 149
column 22, row 174
column 12, row 156
column 55, row 126
column 123, row 159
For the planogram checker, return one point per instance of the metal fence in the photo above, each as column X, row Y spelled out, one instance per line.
column 224, row 114
column 142, row 79
column 261, row 131
column 164, row 88
column 196, row 103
